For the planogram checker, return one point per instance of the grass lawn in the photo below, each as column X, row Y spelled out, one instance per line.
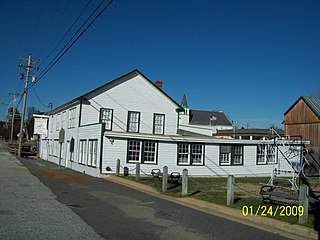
column 247, row 191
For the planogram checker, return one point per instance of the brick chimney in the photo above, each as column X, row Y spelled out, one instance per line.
column 158, row 84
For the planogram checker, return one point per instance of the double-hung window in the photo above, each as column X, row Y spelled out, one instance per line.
column 55, row 149
column 158, row 123
column 51, row 124
column 231, row 154
column 83, row 151
column 72, row 118
column 142, row 152
column 133, row 121
column 266, row 154
column 93, row 152
column 63, row 119
column 58, row 118
column 190, row 154
column 149, row 152
column 106, row 117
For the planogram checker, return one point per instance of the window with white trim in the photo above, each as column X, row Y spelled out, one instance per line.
column 190, row 154
column 63, row 119
column 51, row 124
column 158, row 123
column 58, row 117
column 106, row 117
column 134, row 147
column 133, row 121
column 55, row 147
column 266, row 154
column 149, row 152
column 142, row 151
column 72, row 117
column 93, row 152
column 82, row 151
column 231, row 154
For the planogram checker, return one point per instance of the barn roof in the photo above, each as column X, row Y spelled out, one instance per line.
column 312, row 102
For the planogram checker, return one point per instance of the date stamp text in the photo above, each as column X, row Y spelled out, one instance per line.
column 272, row 211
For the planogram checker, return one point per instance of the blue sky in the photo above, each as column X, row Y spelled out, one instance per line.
column 250, row 59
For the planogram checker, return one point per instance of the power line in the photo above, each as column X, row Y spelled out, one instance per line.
column 75, row 21
column 37, row 96
column 53, row 62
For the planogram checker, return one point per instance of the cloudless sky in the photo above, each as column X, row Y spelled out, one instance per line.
column 250, row 59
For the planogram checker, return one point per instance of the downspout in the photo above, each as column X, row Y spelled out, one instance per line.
column 103, row 126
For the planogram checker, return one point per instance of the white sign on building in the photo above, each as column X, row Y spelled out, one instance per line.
column 40, row 125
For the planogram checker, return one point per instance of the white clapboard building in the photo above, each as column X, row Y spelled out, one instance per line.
column 132, row 119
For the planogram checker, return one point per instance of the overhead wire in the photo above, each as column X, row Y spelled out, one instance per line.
column 53, row 14
column 69, row 29
column 58, row 57
column 37, row 96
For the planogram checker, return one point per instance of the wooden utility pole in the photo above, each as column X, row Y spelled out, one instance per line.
column 28, row 69
column 13, row 113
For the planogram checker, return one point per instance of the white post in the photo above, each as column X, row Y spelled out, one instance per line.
column 304, row 202
column 184, row 182
column 118, row 167
column 165, row 179
column 230, row 190
column 137, row 171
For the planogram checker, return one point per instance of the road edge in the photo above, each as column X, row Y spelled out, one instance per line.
column 268, row 224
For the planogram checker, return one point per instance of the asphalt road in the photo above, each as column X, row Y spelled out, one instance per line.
column 114, row 211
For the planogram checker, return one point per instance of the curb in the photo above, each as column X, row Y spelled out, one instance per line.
column 268, row 224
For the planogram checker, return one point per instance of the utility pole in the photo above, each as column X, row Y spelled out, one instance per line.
column 13, row 113
column 28, row 69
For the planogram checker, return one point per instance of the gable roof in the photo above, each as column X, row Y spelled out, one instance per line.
column 111, row 84
column 199, row 117
column 312, row 102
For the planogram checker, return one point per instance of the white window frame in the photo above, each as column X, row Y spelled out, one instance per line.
column 55, row 147
column 58, row 118
column 150, row 151
column 183, row 154
column 82, row 151
column 93, row 152
column 190, row 154
column 134, row 151
column 51, row 124
column 63, row 119
column 158, row 123
column 72, row 117
column 230, row 153
column 139, row 151
column 106, row 116
column 133, row 121
column 266, row 154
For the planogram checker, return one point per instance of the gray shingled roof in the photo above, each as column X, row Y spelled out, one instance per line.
column 198, row 117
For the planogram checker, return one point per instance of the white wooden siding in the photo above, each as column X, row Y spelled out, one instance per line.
column 167, row 156
column 135, row 94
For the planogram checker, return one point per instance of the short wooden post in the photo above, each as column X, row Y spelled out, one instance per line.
column 304, row 202
column 230, row 190
column 137, row 171
column 165, row 179
column 184, row 182
column 118, row 167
